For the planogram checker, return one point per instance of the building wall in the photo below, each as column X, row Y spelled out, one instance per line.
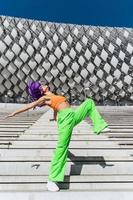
column 70, row 58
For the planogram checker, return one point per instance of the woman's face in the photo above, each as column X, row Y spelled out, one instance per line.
column 44, row 88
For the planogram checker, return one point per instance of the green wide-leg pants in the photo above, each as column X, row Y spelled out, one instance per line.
column 66, row 120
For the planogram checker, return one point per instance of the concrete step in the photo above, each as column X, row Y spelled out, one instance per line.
column 75, row 154
column 98, row 166
column 106, row 178
column 68, row 187
column 73, row 144
column 65, row 194
column 74, row 137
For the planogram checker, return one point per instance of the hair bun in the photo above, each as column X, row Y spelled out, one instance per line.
column 33, row 89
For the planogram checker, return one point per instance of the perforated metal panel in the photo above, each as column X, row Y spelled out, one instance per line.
column 69, row 57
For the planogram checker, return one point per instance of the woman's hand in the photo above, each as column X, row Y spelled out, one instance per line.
column 52, row 119
column 10, row 115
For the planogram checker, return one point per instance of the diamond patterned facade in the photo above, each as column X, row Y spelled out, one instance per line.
column 78, row 61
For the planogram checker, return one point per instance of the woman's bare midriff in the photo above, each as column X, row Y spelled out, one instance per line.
column 63, row 105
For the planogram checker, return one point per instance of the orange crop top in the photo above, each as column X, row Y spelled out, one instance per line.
column 56, row 100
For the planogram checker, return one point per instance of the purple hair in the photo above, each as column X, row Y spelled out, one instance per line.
column 33, row 89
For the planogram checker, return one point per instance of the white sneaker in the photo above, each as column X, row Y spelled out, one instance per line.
column 52, row 186
column 105, row 130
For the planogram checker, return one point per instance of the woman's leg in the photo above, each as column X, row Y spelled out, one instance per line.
column 88, row 108
column 58, row 163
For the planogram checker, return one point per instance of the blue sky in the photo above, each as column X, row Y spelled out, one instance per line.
column 116, row 13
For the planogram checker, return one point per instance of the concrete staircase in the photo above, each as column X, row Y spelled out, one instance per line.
column 97, row 164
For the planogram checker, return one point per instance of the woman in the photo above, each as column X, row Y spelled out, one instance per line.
column 67, row 119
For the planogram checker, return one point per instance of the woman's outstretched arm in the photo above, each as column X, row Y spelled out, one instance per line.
column 28, row 106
